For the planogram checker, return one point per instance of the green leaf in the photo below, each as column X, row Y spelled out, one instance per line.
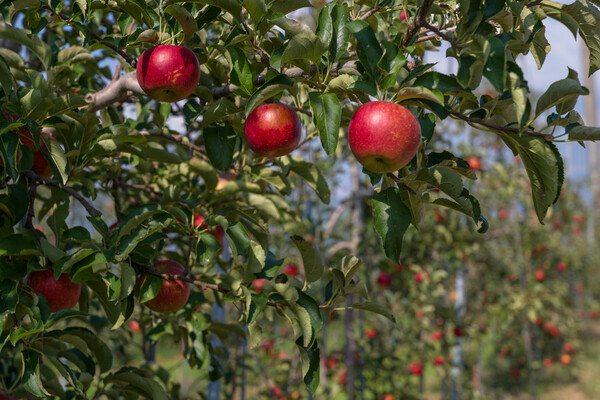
column 390, row 64
column 271, row 88
column 256, row 258
column 368, row 50
column 349, row 267
column 150, row 287
column 563, row 94
column 391, row 219
column 311, row 359
column 18, row 245
column 220, row 144
column 376, row 308
column 312, row 307
column 544, row 166
column 414, row 92
column 584, row 133
column 241, row 74
column 341, row 34
column 86, row 340
column 136, row 11
column 287, row 6
column 256, row 8
column 31, row 378
column 258, row 302
column 584, row 16
column 495, row 65
column 311, row 174
column 305, row 45
column 313, row 265
column 324, row 24
column 130, row 379
column 7, row 81
column 185, row 19
column 238, row 239
column 38, row 48
column 327, row 113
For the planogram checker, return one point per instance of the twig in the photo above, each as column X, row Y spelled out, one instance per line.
column 368, row 13
column 442, row 35
column 401, row 183
column 30, row 210
column 180, row 139
column 130, row 60
column 414, row 26
column 433, row 35
column 51, row 182
column 478, row 121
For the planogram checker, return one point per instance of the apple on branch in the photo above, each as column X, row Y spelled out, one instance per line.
column 172, row 295
column 384, row 136
column 273, row 130
column 60, row 293
column 168, row 73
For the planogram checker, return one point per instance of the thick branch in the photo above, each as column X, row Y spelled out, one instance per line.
column 50, row 182
column 368, row 13
column 114, row 92
column 478, row 121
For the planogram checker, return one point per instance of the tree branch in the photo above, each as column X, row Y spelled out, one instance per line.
column 415, row 25
column 442, row 35
column 115, row 91
column 51, row 182
column 478, row 121
column 180, row 139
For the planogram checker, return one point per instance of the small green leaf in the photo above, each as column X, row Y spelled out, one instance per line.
column 311, row 174
column 391, row 218
column 287, row 6
column 150, row 287
column 241, row 75
column 563, row 94
column 185, row 19
column 368, row 50
column 311, row 359
column 327, row 113
column 273, row 87
column 220, row 143
column 305, row 45
column 376, row 308
column 313, row 266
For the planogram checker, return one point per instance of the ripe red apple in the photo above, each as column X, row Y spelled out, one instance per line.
column 384, row 280
column 565, row 359
column 40, row 164
column 540, row 275
column 557, row 224
column 569, row 347
column 388, row 396
column 172, row 295
column 503, row 214
column 371, row 333
column 259, row 284
column 419, row 313
column 168, row 73
column 384, row 136
column 419, row 277
column 403, row 15
column 273, row 130
column 439, row 360
column 579, row 287
column 342, row 377
column 515, row 373
column 593, row 314
column 415, row 368
column 437, row 335
column 218, row 233
column 548, row 362
column 331, row 363
column 134, row 326
column 474, row 163
column 438, row 217
column 290, row 270
column 60, row 294
column 276, row 391
column 561, row 266
column 458, row 332
column 579, row 218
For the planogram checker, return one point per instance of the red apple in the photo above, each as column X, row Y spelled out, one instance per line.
column 273, row 130
column 172, row 295
column 218, row 233
column 60, row 294
column 371, row 333
column 415, row 368
column 403, row 15
column 515, row 373
column 134, row 326
column 503, row 214
column 437, row 335
column 557, row 224
column 561, row 266
column 540, row 275
column 474, row 163
column 342, row 377
column 565, row 359
column 388, row 396
column 276, row 391
column 419, row 313
column 569, row 347
column 439, row 360
column 548, row 362
column 593, row 314
column 579, row 218
column 458, row 332
column 384, row 280
column 40, row 164
column 384, row 136
column 331, row 363
column 259, row 284
column 579, row 287
column 290, row 270
column 168, row 73
column 419, row 277
column 438, row 217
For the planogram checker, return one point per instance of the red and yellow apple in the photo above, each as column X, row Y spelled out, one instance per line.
column 168, row 73
column 60, row 294
column 290, row 270
column 384, row 136
column 273, row 130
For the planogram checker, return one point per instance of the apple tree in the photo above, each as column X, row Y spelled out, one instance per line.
column 148, row 173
